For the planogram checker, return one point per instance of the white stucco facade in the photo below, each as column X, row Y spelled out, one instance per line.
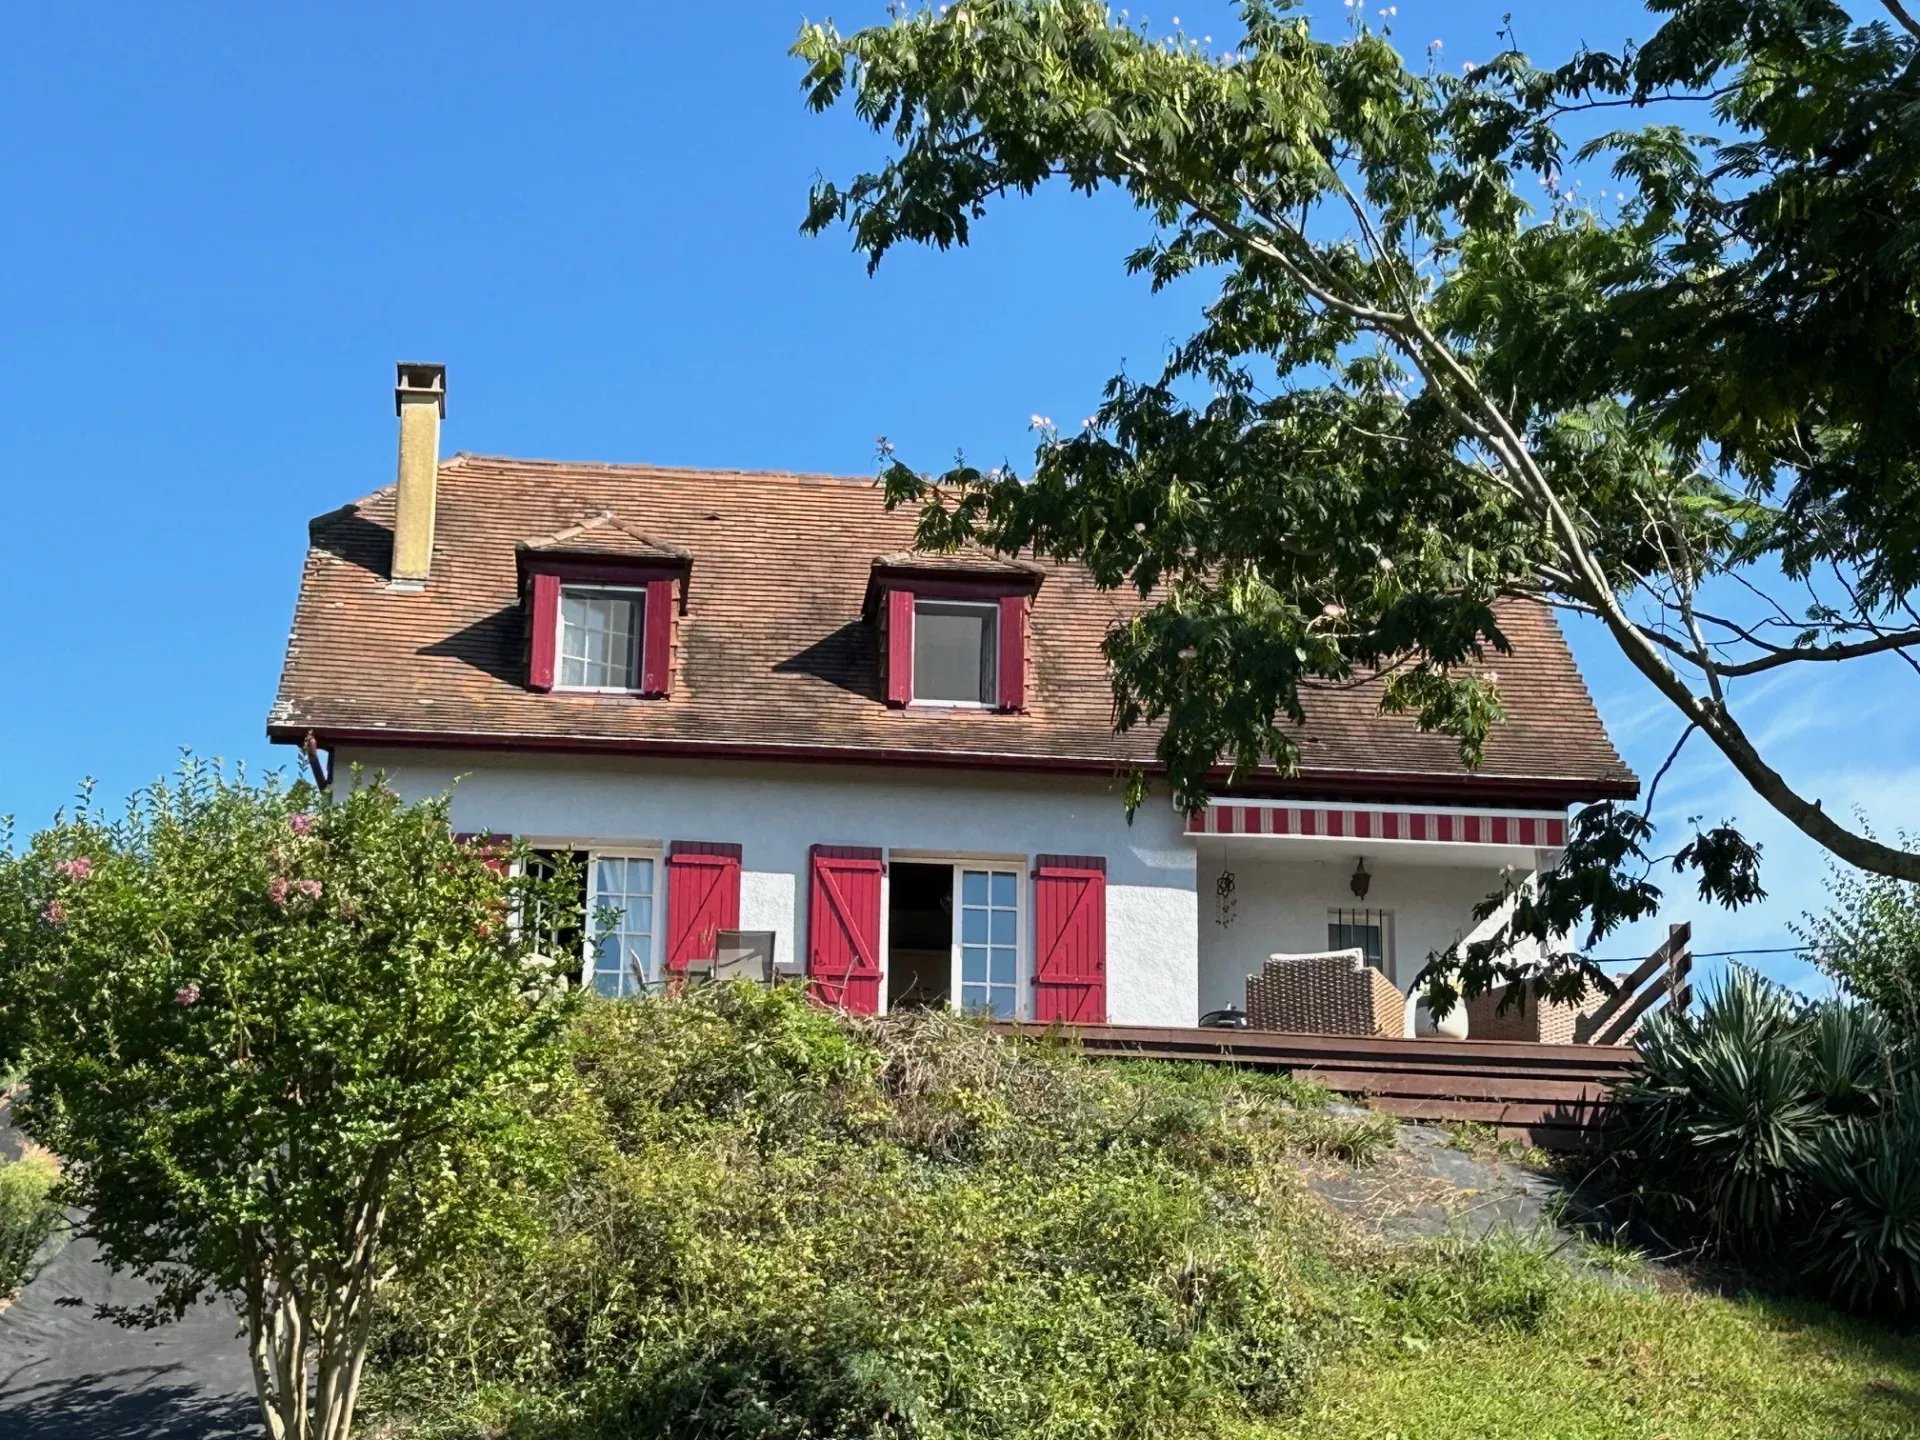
column 1176, row 948
column 777, row 812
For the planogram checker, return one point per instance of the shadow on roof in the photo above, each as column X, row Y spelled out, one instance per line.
column 348, row 535
column 491, row 645
column 844, row 659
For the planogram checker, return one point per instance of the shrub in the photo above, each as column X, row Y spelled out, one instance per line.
column 782, row 1223
column 1786, row 1131
column 288, row 1048
column 29, row 1217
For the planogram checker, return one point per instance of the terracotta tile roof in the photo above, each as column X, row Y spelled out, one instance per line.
column 603, row 533
column 971, row 559
column 772, row 656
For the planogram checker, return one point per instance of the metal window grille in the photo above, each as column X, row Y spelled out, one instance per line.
column 1368, row 931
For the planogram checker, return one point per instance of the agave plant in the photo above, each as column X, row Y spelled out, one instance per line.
column 1863, row 1242
column 1717, row 1123
column 1851, row 1057
column 1783, row 1128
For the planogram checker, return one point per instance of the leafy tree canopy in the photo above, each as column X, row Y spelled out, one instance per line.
column 1434, row 382
column 288, row 1048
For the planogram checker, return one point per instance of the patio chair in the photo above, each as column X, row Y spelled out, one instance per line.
column 1330, row 993
column 1544, row 1022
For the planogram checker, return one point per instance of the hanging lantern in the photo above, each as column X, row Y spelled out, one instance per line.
column 1361, row 881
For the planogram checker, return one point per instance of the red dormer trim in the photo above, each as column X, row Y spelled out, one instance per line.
column 891, row 593
column 899, row 647
column 1013, row 651
column 542, row 576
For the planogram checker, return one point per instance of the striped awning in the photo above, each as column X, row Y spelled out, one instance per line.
column 1541, row 829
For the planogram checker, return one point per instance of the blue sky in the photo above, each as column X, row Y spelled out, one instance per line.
column 225, row 222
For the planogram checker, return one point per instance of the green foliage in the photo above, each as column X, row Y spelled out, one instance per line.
column 1789, row 1132
column 1868, row 940
column 1429, row 381
column 29, row 1215
column 289, row 1049
column 783, row 1223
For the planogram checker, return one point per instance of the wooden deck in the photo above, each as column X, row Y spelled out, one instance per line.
column 1546, row 1095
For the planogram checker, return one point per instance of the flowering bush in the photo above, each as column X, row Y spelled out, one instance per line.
column 286, row 1052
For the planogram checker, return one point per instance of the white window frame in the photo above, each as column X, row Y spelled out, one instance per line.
column 638, row 593
column 1022, row 986
column 929, row 703
column 1021, row 868
column 656, row 932
column 596, row 851
column 1384, row 916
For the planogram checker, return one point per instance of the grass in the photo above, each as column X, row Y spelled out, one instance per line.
column 1605, row 1363
column 1297, row 1111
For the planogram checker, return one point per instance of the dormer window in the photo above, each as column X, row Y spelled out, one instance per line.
column 600, row 636
column 956, row 653
column 600, row 605
column 952, row 629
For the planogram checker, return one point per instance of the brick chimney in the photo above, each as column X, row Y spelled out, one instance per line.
column 420, row 400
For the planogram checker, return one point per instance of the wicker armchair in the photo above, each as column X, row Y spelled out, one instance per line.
column 1542, row 1021
column 1333, row 993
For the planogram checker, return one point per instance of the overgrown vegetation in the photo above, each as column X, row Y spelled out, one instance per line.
column 1788, row 1133
column 29, row 1215
column 782, row 1223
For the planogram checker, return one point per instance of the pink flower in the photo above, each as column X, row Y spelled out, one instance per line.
column 187, row 994
column 277, row 890
column 56, row 913
column 301, row 824
column 78, row 868
column 308, row 888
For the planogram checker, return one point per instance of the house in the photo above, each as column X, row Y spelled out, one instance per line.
column 747, row 702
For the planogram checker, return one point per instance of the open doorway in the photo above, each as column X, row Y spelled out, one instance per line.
column 919, row 936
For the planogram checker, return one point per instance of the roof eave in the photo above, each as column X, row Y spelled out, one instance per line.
column 1355, row 784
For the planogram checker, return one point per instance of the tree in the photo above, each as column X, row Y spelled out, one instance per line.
column 1417, row 397
column 288, row 1048
column 1868, row 941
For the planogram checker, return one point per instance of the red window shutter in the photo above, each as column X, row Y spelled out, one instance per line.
column 899, row 647
column 703, row 898
column 843, row 928
column 494, row 849
column 1013, row 652
column 1070, row 939
column 656, row 651
column 543, row 617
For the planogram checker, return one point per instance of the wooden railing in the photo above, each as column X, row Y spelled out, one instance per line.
column 1547, row 1095
column 1664, row 975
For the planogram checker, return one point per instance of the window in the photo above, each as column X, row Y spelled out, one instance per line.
column 955, row 654
column 620, row 957
column 560, row 933
column 989, row 942
column 600, row 638
column 1368, row 931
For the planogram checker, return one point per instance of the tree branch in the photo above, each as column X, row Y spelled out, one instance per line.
column 1899, row 12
